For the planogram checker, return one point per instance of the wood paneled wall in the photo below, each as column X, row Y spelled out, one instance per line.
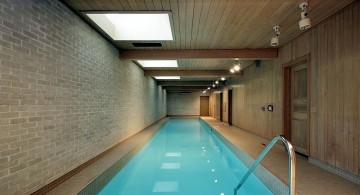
column 225, row 105
column 215, row 104
column 258, row 88
column 334, row 46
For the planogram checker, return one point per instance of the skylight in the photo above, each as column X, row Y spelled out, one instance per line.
column 139, row 26
column 158, row 63
column 167, row 77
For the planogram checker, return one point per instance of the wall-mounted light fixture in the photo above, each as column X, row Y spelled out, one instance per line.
column 275, row 40
column 304, row 23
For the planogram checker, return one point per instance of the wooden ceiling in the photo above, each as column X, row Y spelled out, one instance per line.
column 219, row 24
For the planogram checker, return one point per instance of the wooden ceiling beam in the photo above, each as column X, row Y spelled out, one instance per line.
column 197, row 73
column 246, row 54
column 186, row 83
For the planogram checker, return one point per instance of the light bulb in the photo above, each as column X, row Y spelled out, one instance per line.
column 237, row 68
column 216, row 82
column 232, row 70
column 223, row 78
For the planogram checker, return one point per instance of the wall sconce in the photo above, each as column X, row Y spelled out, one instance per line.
column 304, row 23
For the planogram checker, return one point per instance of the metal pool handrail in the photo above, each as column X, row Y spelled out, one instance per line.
column 292, row 162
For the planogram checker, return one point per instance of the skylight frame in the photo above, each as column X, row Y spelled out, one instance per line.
column 167, row 77
column 143, row 65
column 111, row 36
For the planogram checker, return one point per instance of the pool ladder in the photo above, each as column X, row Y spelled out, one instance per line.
column 292, row 162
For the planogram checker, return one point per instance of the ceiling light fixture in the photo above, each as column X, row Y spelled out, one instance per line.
column 142, row 26
column 236, row 67
column 217, row 82
column 223, row 78
column 275, row 40
column 304, row 23
column 158, row 63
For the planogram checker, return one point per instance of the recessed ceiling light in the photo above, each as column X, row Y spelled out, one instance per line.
column 167, row 77
column 158, row 63
column 134, row 26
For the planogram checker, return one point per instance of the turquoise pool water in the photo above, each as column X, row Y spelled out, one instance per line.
column 183, row 158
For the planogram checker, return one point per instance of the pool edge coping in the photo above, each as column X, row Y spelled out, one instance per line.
column 269, row 179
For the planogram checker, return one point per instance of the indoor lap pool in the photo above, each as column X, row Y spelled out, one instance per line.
column 186, row 158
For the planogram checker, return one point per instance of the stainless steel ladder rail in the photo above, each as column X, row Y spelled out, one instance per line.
column 292, row 163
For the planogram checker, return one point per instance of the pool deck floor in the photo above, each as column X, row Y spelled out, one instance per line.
column 310, row 179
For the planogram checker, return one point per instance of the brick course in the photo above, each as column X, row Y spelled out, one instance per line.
column 65, row 96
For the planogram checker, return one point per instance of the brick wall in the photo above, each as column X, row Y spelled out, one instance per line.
column 64, row 94
column 184, row 103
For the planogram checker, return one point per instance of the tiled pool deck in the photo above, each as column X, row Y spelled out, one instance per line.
column 310, row 179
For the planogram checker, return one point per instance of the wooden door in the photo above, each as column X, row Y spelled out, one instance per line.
column 204, row 105
column 297, row 119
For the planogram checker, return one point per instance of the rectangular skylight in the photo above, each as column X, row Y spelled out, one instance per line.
column 140, row 26
column 158, row 63
column 167, row 77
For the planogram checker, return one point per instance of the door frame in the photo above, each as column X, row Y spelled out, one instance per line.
column 287, row 96
column 230, row 106
column 221, row 106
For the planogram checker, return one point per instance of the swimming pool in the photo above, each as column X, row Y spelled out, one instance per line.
column 185, row 158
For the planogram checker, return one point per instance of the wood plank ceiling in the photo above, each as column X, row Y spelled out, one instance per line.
column 218, row 24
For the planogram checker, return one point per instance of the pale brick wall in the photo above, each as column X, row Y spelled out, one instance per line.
column 64, row 94
column 184, row 103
